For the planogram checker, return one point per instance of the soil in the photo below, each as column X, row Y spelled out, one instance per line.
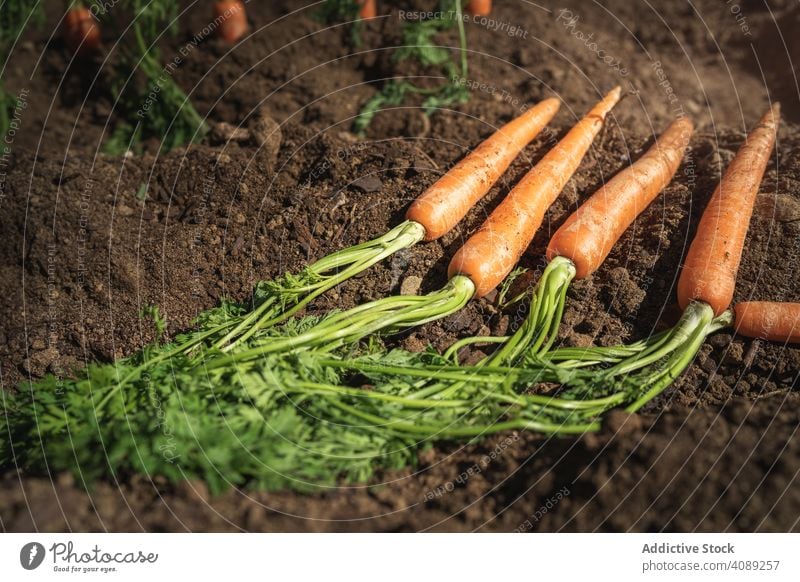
column 91, row 239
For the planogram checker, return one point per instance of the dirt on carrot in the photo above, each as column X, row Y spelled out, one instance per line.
column 214, row 218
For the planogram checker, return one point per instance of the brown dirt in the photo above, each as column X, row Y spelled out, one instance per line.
column 82, row 254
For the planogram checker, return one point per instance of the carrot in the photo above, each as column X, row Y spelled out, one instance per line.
column 232, row 18
column 491, row 253
column 779, row 322
column 368, row 9
column 588, row 234
column 81, row 31
column 709, row 271
column 479, row 7
column 445, row 203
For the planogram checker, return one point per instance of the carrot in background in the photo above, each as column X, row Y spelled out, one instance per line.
column 479, row 7
column 81, row 31
column 368, row 9
column 232, row 18
column 778, row 322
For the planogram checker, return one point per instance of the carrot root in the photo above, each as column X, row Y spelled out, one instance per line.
column 479, row 7
column 368, row 9
column 709, row 271
column 447, row 201
column 491, row 253
column 778, row 322
column 81, row 31
column 232, row 18
column 589, row 234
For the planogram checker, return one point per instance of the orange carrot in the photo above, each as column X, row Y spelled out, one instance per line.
column 490, row 254
column 446, row 202
column 232, row 19
column 779, row 322
column 368, row 9
column 479, row 7
column 709, row 271
column 81, row 31
column 588, row 234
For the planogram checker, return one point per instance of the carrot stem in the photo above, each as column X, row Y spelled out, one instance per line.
column 539, row 331
column 389, row 314
column 691, row 331
column 323, row 275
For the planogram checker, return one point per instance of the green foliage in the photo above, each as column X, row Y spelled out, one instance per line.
column 393, row 94
column 149, row 103
column 152, row 312
column 419, row 44
column 141, row 192
column 302, row 420
column 335, row 11
column 15, row 17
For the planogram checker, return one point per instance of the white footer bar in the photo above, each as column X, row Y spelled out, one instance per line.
column 401, row 557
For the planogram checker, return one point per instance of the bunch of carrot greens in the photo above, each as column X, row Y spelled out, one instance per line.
column 302, row 420
column 263, row 398
column 291, row 419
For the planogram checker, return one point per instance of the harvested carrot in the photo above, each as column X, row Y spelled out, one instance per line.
column 479, row 7
column 588, row 234
column 778, row 322
column 491, row 253
column 232, row 18
column 709, row 271
column 81, row 31
column 583, row 242
column 368, row 9
column 447, row 201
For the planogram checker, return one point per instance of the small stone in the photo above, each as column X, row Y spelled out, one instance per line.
column 367, row 184
column 777, row 207
column 223, row 132
column 267, row 136
column 123, row 210
column 413, row 344
column 347, row 136
column 410, row 285
column 65, row 480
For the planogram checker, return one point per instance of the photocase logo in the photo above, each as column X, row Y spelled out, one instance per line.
column 31, row 555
